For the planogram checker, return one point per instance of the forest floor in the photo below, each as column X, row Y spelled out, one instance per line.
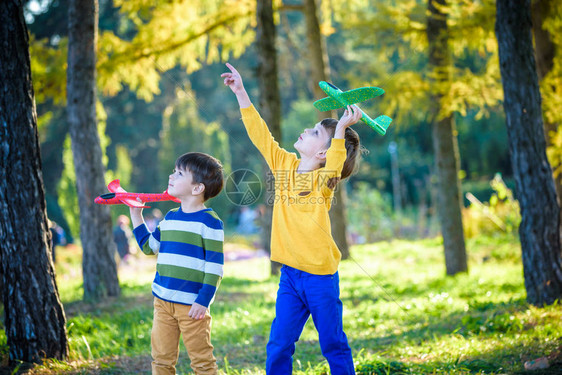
column 402, row 315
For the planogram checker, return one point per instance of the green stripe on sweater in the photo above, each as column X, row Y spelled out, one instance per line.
column 187, row 274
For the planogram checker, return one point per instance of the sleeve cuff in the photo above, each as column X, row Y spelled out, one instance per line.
column 205, row 296
column 140, row 232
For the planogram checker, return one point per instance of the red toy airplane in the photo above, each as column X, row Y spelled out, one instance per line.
column 118, row 195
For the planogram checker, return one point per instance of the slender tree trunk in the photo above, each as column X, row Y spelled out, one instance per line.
column 270, row 103
column 98, row 263
column 34, row 317
column 538, row 231
column 445, row 145
column 320, row 71
column 545, row 50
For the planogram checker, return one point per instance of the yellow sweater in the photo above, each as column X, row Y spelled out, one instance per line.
column 301, row 236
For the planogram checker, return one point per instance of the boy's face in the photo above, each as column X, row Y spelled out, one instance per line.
column 181, row 185
column 312, row 141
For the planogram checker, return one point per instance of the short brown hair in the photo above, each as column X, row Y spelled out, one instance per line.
column 205, row 170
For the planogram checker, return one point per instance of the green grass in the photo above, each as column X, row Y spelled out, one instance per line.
column 402, row 315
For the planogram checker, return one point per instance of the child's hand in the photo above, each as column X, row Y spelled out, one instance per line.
column 351, row 115
column 197, row 311
column 136, row 211
column 233, row 80
column 136, row 215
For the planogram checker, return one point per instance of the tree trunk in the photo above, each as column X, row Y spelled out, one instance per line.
column 34, row 317
column 545, row 50
column 320, row 71
column 98, row 263
column 270, row 103
column 538, row 231
column 445, row 145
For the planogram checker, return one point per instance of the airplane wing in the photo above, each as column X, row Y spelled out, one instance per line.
column 115, row 187
column 361, row 94
column 133, row 203
column 327, row 104
column 352, row 96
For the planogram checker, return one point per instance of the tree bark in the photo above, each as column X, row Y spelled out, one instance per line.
column 98, row 262
column 270, row 104
column 538, row 231
column 445, row 145
column 34, row 317
column 545, row 50
column 320, row 71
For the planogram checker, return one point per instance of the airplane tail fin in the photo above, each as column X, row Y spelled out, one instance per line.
column 115, row 187
column 383, row 121
column 380, row 124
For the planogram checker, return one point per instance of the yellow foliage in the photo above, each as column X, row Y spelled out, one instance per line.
column 341, row 10
column 412, row 89
column 469, row 90
column 554, row 152
column 48, row 70
column 42, row 121
column 470, row 36
column 500, row 213
column 551, row 89
column 188, row 33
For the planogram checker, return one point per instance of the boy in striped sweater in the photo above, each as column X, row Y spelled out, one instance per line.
column 189, row 247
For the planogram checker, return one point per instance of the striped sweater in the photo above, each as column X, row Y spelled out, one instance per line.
column 190, row 257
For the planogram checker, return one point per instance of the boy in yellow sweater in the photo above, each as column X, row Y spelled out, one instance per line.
column 301, row 237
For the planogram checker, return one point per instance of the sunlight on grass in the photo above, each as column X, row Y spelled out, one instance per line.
column 401, row 313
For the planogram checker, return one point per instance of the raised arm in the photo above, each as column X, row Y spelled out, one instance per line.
column 351, row 115
column 257, row 129
column 337, row 153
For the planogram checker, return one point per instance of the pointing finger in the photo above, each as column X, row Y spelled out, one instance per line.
column 232, row 69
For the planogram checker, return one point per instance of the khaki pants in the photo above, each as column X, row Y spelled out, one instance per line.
column 171, row 319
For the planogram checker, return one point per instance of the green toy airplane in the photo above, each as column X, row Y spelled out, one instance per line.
column 339, row 99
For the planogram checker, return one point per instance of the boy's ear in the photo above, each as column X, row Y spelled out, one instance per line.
column 321, row 155
column 198, row 189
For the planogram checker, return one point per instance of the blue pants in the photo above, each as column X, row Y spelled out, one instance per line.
column 300, row 295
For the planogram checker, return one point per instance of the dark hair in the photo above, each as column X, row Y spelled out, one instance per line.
column 205, row 170
column 352, row 146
